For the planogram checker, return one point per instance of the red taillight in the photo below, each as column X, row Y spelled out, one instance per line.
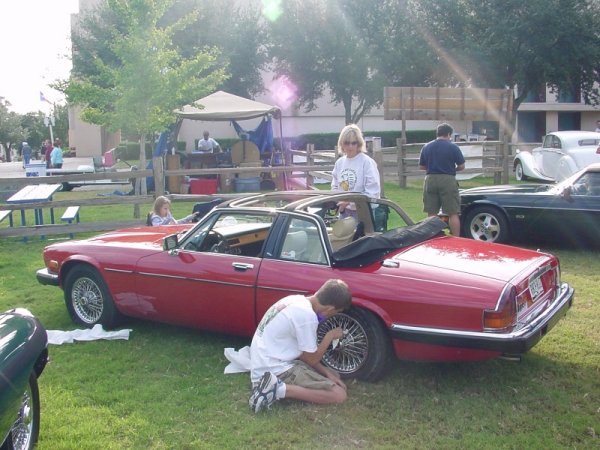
column 504, row 317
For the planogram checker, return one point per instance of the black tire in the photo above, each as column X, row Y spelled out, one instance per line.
column 364, row 352
column 25, row 431
column 88, row 300
column 486, row 224
column 66, row 187
column 519, row 175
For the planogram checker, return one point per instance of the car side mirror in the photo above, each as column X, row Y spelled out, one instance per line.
column 170, row 242
column 566, row 193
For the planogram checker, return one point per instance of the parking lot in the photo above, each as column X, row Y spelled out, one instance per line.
column 15, row 169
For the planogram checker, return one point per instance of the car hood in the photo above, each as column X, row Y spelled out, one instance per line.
column 473, row 258
column 508, row 189
column 139, row 236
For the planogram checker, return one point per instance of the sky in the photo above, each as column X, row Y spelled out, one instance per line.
column 34, row 51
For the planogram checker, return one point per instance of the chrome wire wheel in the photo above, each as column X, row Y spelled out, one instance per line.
column 87, row 301
column 24, row 432
column 352, row 351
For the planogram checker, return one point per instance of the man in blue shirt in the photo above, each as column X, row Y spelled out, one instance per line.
column 441, row 159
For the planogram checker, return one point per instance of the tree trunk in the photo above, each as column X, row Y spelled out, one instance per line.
column 140, row 183
column 144, row 190
column 348, row 109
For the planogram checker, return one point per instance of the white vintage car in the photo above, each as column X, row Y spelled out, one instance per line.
column 561, row 155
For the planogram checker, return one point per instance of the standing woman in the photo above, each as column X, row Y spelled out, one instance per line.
column 56, row 156
column 355, row 171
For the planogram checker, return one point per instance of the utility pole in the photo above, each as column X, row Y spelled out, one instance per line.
column 49, row 122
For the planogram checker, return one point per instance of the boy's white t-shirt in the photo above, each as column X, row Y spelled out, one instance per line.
column 287, row 329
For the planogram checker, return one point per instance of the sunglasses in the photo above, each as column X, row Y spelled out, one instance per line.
column 350, row 142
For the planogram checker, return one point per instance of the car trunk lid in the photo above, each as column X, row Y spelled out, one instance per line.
column 494, row 261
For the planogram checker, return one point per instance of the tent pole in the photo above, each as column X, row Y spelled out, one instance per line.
column 283, row 156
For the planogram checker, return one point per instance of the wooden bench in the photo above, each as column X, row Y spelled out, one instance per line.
column 6, row 213
column 71, row 214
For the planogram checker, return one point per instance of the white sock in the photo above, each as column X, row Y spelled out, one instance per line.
column 280, row 391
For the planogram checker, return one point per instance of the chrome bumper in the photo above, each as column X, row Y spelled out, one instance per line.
column 519, row 341
column 47, row 278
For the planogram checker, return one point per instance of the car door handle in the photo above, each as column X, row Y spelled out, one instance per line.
column 242, row 266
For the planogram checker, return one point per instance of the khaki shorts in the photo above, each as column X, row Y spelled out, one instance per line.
column 301, row 374
column 441, row 191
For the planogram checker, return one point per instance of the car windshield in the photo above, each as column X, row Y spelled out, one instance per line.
column 583, row 182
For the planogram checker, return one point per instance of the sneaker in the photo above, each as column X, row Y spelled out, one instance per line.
column 263, row 395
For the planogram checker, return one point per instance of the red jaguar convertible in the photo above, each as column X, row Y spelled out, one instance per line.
column 418, row 293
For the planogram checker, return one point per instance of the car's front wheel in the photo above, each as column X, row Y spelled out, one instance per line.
column 365, row 350
column 25, row 431
column 486, row 224
column 519, row 175
column 88, row 300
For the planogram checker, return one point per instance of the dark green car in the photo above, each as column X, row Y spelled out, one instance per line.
column 23, row 356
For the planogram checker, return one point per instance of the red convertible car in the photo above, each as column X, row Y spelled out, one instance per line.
column 417, row 293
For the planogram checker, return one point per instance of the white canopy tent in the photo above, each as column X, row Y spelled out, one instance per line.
column 222, row 106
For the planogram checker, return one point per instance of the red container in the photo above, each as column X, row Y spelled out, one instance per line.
column 203, row 186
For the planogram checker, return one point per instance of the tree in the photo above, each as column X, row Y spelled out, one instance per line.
column 516, row 44
column 11, row 130
column 400, row 53
column 61, row 124
column 35, row 131
column 321, row 46
column 239, row 38
column 240, row 35
column 141, row 78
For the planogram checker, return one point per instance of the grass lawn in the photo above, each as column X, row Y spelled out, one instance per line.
column 165, row 387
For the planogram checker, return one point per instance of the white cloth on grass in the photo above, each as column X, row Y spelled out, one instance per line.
column 58, row 337
column 239, row 361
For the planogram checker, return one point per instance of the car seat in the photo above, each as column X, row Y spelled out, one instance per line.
column 294, row 245
column 203, row 208
column 342, row 232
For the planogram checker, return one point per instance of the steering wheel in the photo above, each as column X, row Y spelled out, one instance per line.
column 195, row 242
column 215, row 242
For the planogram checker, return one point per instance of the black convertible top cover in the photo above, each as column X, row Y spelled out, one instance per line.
column 368, row 249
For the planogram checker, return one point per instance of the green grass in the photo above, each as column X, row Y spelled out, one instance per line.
column 165, row 387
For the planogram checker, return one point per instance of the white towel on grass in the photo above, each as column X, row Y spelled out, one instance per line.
column 58, row 337
column 239, row 361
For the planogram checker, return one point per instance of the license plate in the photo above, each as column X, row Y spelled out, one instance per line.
column 535, row 287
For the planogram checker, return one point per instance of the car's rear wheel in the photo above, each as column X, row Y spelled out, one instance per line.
column 486, row 224
column 519, row 175
column 25, row 431
column 366, row 349
column 88, row 300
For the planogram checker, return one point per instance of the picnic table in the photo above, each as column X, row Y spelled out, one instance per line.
column 35, row 193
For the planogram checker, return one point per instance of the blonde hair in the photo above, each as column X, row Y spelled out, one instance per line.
column 159, row 203
column 348, row 133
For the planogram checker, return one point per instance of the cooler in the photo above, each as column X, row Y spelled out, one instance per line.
column 247, row 184
column 203, row 186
